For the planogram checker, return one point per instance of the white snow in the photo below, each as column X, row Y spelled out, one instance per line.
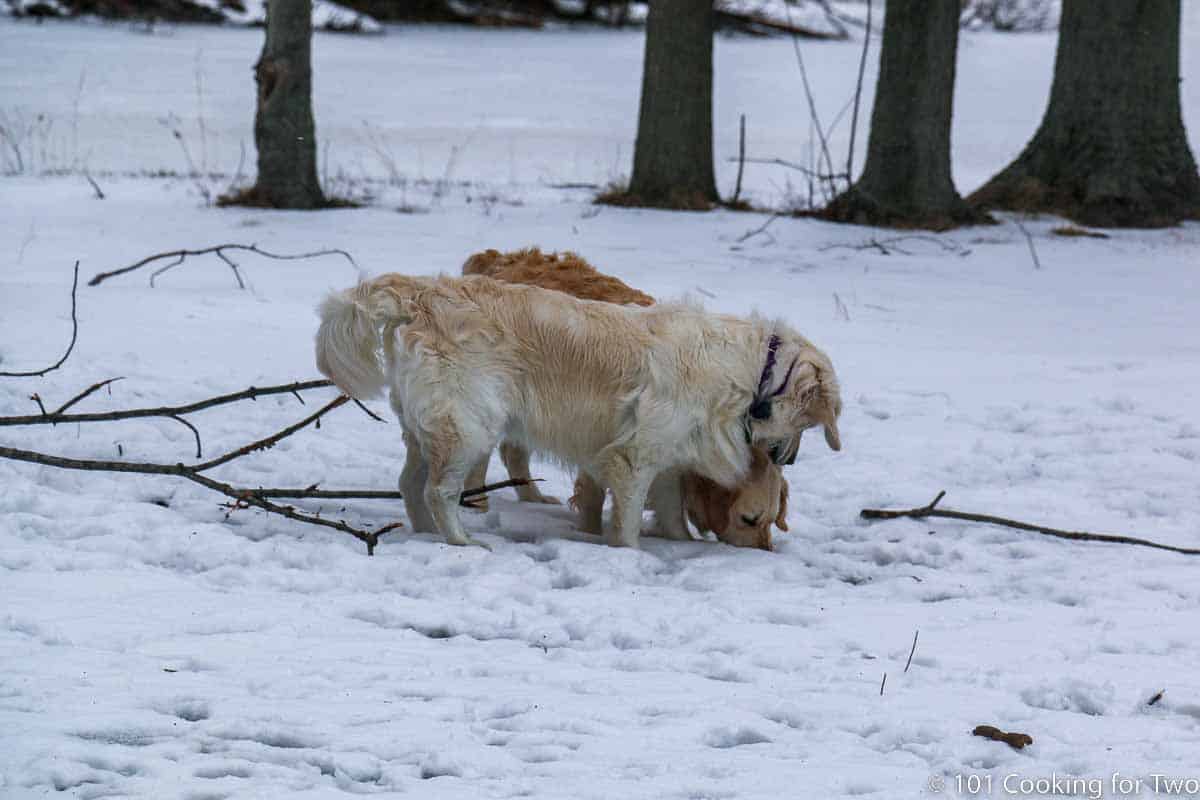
column 152, row 648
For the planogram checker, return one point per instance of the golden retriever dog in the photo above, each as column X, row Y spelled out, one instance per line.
column 624, row 392
column 741, row 517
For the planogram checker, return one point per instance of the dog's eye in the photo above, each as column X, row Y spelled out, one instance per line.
column 751, row 521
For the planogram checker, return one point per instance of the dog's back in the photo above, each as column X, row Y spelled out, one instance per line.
column 564, row 272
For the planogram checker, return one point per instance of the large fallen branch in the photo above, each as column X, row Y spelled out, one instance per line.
column 181, row 255
column 242, row 497
column 932, row 510
column 70, row 346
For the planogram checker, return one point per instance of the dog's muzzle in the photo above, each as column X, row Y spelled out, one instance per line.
column 784, row 452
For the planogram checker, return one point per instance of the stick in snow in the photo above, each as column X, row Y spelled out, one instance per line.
column 931, row 510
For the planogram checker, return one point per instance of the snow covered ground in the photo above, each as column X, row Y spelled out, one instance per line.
column 151, row 648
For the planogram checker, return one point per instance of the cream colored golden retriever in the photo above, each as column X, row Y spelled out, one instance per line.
column 741, row 517
column 624, row 392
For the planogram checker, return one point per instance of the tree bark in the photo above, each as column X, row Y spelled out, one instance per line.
column 284, row 131
column 673, row 156
column 906, row 180
column 1111, row 150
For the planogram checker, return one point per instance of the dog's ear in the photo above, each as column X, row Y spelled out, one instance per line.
column 818, row 395
column 709, row 505
column 781, row 517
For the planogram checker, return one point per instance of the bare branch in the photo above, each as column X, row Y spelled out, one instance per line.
column 95, row 387
column 1037, row 262
column 273, row 439
column 908, row 663
column 219, row 250
column 251, row 393
column 74, row 335
column 931, row 510
column 862, row 66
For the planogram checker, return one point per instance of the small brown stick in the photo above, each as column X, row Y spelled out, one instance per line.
column 74, row 335
column 37, row 398
column 1157, row 696
column 931, row 510
column 219, row 250
column 252, row 393
column 914, row 649
column 1014, row 740
column 882, row 684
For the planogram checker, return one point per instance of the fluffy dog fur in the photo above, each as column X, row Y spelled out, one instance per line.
column 624, row 392
column 741, row 516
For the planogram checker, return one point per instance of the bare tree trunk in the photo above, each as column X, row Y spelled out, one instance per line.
column 673, row 157
column 1111, row 149
column 906, row 180
column 284, row 131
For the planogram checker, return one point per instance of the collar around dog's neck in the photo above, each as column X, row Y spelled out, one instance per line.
column 760, row 407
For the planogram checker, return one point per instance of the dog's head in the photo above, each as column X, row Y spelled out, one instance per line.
column 743, row 516
column 803, row 393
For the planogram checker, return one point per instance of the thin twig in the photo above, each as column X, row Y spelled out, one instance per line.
column 783, row 162
column 365, row 410
column 95, row 186
column 273, row 439
column 192, row 428
column 931, row 510
column 74, row 335
column 219, row 250
column 1037, row 262
column 812, row 104
column 95, row 387
column 882, row 244
column 862, row 66
column 882, row 684
column 737, row 188
column 758, row 230
column 362, row 494
column 908, row 663
column 251, row 393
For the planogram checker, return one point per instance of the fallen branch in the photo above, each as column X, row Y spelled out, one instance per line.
column 931, row 510
column 71, row 346
column 313, row 493
column 908, row 663
column 95, row 387
column 181, row 255
column 243, row 496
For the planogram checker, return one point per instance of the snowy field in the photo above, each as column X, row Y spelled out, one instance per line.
column 150, row 648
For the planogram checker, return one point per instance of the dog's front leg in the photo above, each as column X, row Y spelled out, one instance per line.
column 630, row 485
column 666, row 501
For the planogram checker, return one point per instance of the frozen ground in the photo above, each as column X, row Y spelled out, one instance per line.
column 151, row 649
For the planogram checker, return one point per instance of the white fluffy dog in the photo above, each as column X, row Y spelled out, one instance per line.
column 623, row 392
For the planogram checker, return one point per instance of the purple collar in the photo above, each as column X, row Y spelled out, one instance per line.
column 760, row 407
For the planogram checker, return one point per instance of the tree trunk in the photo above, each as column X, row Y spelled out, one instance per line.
column 284, row 131
column 1111, row 149
column 906, row 180
column 673, row 156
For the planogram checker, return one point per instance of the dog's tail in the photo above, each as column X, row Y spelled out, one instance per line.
column 354, row 324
